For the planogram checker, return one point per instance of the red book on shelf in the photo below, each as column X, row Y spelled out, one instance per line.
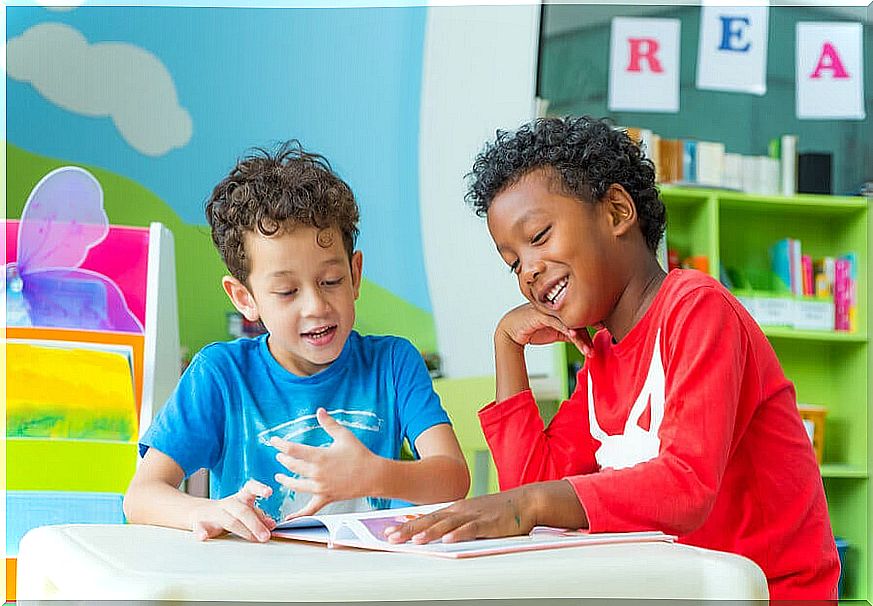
column 808, row 280
column 842, row 294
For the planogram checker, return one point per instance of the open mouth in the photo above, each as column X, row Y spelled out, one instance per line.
column 556, row 293
column 321, row 335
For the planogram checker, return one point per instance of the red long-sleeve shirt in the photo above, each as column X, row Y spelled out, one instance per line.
column 730, row 466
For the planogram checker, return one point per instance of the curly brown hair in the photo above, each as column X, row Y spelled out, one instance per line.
column 585, row 155
column 266, row 191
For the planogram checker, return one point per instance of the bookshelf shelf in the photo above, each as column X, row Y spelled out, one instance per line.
column 828, row 368
column 778, row 332
column 836, row 470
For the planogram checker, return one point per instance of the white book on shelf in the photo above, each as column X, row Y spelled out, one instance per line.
column 732, row 177
column 749, row 174
column 710, row 163
column 788, row 165
column 769, row 176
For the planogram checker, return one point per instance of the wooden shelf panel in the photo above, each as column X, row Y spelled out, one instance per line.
column 781, row 332
column 842, row 470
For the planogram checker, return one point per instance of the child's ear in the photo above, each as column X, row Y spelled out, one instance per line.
column 621, row 209
column 241, row 298
column 357, row 269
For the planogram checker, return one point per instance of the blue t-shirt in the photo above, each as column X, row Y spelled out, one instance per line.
column 235, row 396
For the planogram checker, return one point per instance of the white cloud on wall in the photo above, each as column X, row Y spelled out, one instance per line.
column 121, row 81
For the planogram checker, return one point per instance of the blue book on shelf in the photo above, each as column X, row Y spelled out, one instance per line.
column 689, row 161
column 780, row 263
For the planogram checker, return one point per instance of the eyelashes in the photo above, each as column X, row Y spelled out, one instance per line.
column 540, row 235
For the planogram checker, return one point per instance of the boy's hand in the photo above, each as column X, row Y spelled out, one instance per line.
column 525, row 325
column 494, row 515
column 341, row 471
column 237, row 514
column 510, row 513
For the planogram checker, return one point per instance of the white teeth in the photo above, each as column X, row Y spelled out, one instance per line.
column 556, row 290
column 319, row 333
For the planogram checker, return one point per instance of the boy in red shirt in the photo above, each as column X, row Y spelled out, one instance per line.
column 682, row 420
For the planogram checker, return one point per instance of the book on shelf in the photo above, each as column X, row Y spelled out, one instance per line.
column 845, row 293
column 808, row 287
column 366, row 530
column 788, row 165
column 710, row 164
column 691, row 162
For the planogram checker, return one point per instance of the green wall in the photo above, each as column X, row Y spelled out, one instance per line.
column 202, row 302
column 574, row 70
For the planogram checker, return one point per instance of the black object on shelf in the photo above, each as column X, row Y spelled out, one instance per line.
column 814, row 173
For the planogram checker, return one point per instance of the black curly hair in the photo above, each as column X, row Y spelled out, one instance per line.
column 266, row 191
column 586, row 156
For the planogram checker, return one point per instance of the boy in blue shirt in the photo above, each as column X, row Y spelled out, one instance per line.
column 310, row 416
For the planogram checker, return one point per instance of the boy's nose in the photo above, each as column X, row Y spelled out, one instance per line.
column 533, row 272
column 314, row 304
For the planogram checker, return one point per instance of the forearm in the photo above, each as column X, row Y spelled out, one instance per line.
column 510, row 366
column 415, row 481
column 160, row 504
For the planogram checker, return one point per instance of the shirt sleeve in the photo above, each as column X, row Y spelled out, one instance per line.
column 524, row 451
column 190, row 427
column 418, row 404
column 704, row 348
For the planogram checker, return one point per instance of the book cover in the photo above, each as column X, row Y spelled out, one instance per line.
column 842, row 294
column 710, row 163
column 808, row 279
column 780, row 263
column 852, row 259
column 796, row 268
column 367, row 531
column 788, row 164
column 689, row 161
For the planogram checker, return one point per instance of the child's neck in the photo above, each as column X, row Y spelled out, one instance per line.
column 635, row 300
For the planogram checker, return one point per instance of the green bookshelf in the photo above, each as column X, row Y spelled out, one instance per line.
column 827, row 367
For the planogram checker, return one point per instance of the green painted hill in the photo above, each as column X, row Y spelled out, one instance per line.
column 202, row 302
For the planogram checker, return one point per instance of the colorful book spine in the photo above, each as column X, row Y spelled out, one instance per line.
column 788, row 164
column 842, row 294
column 780, row 262
column 796, row 269
column 824, row 277
column 689, row 160
column 852, row 259
column 808, row 279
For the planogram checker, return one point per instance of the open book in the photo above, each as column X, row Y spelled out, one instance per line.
column 367, row 531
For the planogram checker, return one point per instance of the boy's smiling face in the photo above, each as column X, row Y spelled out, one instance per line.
column 303, row 288
column 559, row 247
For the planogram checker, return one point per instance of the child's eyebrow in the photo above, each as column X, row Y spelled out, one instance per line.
column 333, row 261
column 522, row 221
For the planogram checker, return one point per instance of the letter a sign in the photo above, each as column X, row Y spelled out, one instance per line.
column 644, row 65
column 829, row 71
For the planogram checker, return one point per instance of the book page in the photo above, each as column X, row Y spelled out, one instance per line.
column 541, row 538
column 366, row 527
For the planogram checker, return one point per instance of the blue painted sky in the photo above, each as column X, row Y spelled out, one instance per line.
column 346, row 82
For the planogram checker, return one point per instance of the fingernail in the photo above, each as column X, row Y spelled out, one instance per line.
column 394, row 536
column 390, row 530
column 418, row 538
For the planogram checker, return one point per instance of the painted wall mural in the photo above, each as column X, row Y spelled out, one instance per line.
column 158, row 102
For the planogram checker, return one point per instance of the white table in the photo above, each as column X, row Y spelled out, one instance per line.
column 88, row 562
